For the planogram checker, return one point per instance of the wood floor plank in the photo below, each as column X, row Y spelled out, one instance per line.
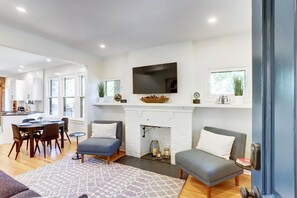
column 192, row 188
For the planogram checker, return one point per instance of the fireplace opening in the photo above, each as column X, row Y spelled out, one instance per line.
column 155, row 143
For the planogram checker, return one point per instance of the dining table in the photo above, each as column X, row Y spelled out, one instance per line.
column 31, row 127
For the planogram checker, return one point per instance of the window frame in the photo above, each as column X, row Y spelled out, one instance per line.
column 112, row 79
column 49, row 96
column 61, row 97
column 248, row 81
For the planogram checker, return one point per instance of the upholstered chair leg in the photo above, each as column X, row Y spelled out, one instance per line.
column 108, row 160
column 237, row 180
column 11, row 149
column 208, row 192
column 82, row 158
column 27, row 144
column 180, row 173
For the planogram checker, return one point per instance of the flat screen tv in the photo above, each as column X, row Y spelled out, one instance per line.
column 155, row 79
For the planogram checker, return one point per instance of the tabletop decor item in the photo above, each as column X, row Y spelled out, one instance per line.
column 223, row 99
column 154, row 99
column 196, row 99
column 117, row 97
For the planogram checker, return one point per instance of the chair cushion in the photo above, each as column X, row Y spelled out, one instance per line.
column 26, row 194
column 99, row 146
column 104, row 130
column 10, row 186
column 206, row 167
column 216, row 144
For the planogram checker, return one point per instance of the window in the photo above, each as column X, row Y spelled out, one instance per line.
column 82, row 96
column 112, row 87
column 221, row 82
column 68, row 97
column 53, row 97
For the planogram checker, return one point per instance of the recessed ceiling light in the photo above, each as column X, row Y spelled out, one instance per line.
column 49, row 60
column 102, row 46
column 20, row 9
column 212, row 20
column 19, row 70
column 22, row 66
column 57, row 74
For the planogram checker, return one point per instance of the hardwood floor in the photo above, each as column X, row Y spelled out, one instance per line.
column 191, row 189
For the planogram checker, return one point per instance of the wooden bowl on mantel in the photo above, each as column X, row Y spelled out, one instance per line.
column 154, row 100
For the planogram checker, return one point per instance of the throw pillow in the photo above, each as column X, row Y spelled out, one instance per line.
column 104, row 130
column 218, row 145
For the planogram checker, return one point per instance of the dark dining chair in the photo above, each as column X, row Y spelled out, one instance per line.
column 18, row 139
column 50, row 132
column 66, row 127
column 26, row 132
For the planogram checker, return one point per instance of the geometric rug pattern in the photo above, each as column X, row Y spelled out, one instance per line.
column 70, row 178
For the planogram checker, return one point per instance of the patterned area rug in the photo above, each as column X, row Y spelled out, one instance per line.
column 70, row 178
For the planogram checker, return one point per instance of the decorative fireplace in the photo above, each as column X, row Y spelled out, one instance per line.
column 177, row 120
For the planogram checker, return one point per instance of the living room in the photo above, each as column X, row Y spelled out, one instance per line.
column 224, row 45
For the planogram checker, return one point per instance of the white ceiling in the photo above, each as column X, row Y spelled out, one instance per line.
column 126, row 25
column 11, row 60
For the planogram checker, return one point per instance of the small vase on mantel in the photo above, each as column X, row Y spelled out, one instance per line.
column 238, row 100
column 101, row 100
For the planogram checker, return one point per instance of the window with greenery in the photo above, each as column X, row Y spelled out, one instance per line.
column 221, row 82
column 53, row 97
column 69, row 97
column 112, row 87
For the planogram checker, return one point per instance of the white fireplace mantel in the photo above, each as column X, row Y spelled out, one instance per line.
column 177, row 118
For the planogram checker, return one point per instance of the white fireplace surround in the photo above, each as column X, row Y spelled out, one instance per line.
column 177, row 118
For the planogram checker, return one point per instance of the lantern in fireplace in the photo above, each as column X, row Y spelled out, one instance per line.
column 166, row 154
column 154, row 148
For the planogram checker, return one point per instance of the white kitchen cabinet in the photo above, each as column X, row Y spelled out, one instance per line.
column 34, row 89
column 17, row 90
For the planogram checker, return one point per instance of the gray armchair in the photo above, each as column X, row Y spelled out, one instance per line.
column 102, row 146
column 210, row 169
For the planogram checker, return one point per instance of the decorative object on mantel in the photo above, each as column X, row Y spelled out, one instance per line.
column 100, row 88
column 154, row 99
column 196, row 96
column 117, row 97
column 223, row 99
column 238, row 90
column 154, row 147
column 124, row 101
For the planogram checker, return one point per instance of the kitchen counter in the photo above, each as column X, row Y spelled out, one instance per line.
column 8, row 118
column 11, row 113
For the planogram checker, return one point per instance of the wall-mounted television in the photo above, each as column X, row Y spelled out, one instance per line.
column 155, row 79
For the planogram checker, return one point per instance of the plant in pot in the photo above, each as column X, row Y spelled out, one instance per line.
column 100, row 88
column 238, row 89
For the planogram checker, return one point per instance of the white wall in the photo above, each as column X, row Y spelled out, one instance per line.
column 194, row 60
column 20, row 40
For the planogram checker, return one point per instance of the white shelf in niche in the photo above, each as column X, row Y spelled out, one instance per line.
column 203, row 105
